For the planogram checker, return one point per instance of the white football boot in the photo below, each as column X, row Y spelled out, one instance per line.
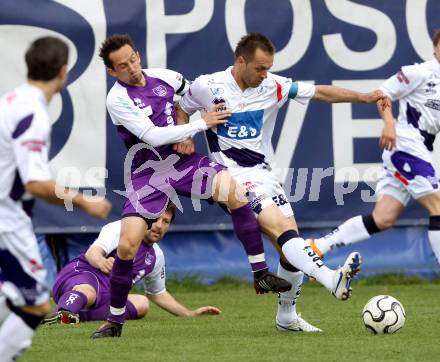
column 344, row 275
column 298, row 325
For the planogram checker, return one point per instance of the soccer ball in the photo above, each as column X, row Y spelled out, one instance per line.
column 383, row 314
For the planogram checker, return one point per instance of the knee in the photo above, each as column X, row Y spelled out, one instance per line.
column 384, row 222
column 127, row 247
column 142, row 305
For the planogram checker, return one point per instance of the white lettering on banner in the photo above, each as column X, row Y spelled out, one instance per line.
column 345, row 129
column 235, row 23
column 292, row 125
column 365, row 17
column 159, row 25
column 418, row 28
column 86, row 146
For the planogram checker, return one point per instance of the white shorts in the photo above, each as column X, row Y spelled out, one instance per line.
column 22, row 275
column 405, row 176
column 263, row 189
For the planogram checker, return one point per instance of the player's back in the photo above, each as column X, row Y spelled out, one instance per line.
column 24, row 127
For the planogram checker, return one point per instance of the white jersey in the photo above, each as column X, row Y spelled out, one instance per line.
column 154, row 281
column 245, row 140
column 24, row 143
column 417, row 87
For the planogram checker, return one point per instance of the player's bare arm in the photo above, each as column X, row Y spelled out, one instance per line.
column 49, row 191
column 167, row 302
column 388, row 137
column 333, row 94
column 95, row 255
column 185, row 147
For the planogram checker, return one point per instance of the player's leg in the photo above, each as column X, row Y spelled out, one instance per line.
column 141, row 305
column 99, row 311
column 133, row 229
column 431, row 203
column 227, row 191
column 23, row 284
column 386, row 211
column 393, row 196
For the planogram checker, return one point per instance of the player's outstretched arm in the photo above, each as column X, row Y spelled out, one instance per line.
column 49, row 191
column 388, row 137
column 333, row 94
column 185, row 147
column 167, row 302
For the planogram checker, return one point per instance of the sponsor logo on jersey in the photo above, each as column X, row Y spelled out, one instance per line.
column 160, row 91
column 149, row 259
column 433, row 104
column 139, row 103
column 248, row 185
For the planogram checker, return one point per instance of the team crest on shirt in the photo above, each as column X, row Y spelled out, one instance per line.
column 148, row 259
column 160, row 91
column 261, row 89
column 217, row 91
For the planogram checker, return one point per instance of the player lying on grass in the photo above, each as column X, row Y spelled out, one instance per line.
column 407, row 157
column 82, row 289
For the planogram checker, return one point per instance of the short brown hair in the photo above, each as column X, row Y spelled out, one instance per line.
column 249, row 43
column 113, row 43
column 436, row 37
column 171, row 208
column 45, row 58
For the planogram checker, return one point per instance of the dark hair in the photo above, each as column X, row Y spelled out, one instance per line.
column 249, row 43
column 436, row 37
column 113, row 43
column 171, row 208
column 45, row 58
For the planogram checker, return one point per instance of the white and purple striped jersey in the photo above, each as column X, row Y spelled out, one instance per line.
column 24, row 143
column 417, row 87
column 139, row 111
column 245, row 140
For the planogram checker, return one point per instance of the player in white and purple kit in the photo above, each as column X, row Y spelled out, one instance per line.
column 407, row 157
column 243, row 144
column 82, row 288
column 141, row 105
column 25, row 130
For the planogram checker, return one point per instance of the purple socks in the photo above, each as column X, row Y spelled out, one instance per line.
column 248, row 231
column 72, row 301
column 120, row 285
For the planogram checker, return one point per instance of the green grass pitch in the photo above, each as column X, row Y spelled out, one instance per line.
column 245, row 330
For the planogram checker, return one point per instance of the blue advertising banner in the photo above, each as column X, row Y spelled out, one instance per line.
column 326, row 156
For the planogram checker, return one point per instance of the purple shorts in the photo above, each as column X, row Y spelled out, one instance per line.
column 150, row 190
column 80, row 272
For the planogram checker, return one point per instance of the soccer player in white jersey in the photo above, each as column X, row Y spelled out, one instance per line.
column 81, row 289
column 407, row 157
column 254, row 96
column 24, row 143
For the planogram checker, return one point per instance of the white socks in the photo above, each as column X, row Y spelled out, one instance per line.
column 302, row 257
column 15, row 337
column 287, row 301
column 351, row 231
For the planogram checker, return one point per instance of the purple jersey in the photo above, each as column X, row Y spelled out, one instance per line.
column 148, row 264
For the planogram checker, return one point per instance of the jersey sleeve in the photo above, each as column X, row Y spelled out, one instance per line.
column 174, row 79
column 406, row 80
column 30, row 143
column 108, row 238
column 154, row 282
column 282, row 88
column 191, row 101
column 302, row 92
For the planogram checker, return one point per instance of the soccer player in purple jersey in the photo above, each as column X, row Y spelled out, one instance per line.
column 25, row 130
column 82, row 288
column 141, row 105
